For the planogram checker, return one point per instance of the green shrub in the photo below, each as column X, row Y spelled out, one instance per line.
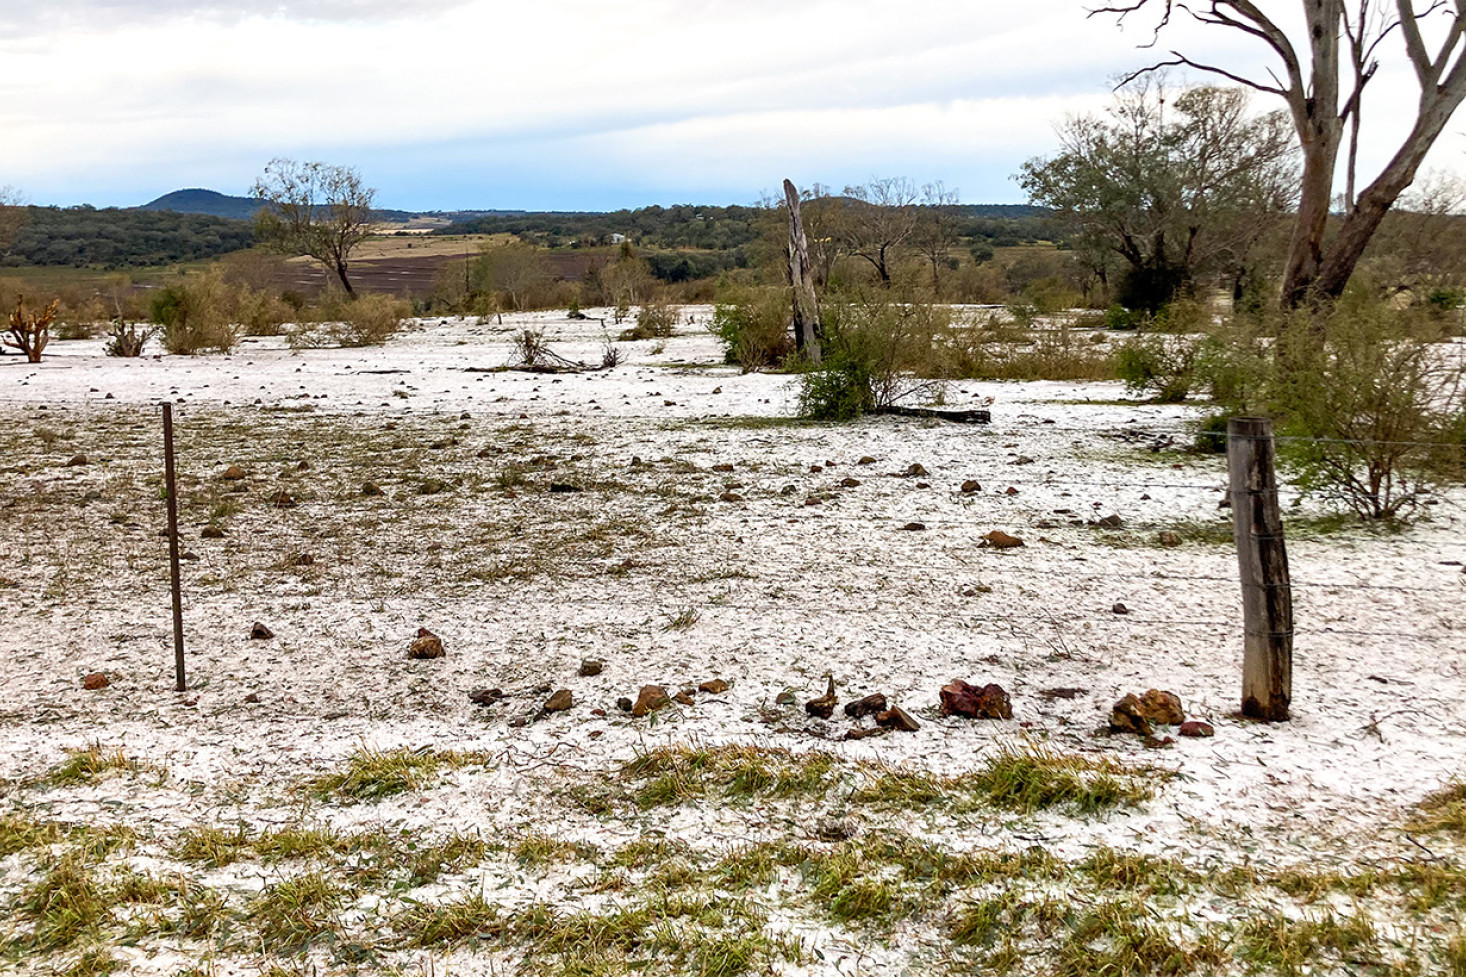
column 1120, row 319
column 369, row 319
column 1164, row 365
column 752, row 324
column 654, row 320
column 1211, row 434
column 197, row 315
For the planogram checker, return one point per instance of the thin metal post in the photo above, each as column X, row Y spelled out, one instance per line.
column 171, row 483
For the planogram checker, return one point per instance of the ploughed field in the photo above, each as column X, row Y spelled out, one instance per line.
column 318, row 801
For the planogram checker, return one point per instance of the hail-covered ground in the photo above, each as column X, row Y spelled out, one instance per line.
column 318, row 801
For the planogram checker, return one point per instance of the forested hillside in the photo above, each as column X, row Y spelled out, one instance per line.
column 85, row 237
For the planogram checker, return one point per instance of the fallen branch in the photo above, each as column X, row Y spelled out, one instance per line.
column 955, row 416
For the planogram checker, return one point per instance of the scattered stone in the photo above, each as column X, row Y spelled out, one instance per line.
column 999, row 540
column 260, row 633
column 717, row 390
column 1157, row 743
column 723, row 467
column 1127, row 716
column 96, row 680
column 431, row 486
column 813, row 500
column 915, row 470
column 1167, row 538
column 897, row 718
column 785, row 699
column 1162, row 708
column 598, row 712
column 519, row 722
column 563, row 487
column 211, row 532
column 624, row 704
column 816, row 469
column 560, row 701
column 868, row 706
column 485, row 697
column 730, row 497
column 425, row 645
column 282, row 500
column 824, row 706
column 651, row 698
column 1195, row 727
column 1112, row 521
column 303, row 466
column 77, row 461
column 590, row 667
column 849, row 482
column 371, row 489
column 1021, row 460
column 860, row 734
column 683, row 698
column 1010, row 490
column 989, row 702
column 252, row 698
column 970, row 486
column 233, row 474
column 1119, row 608
column 713, row 687
column 914, row 527
column 922, row 485
column 866, row 460
column 1063, row 693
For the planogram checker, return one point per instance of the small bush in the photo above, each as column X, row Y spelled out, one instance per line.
column 127, row 338
column 654, row 320
column 367, row 320
column 753, row 327
column 1162, row 364
column 1211, row 434
column 197, row 315
column 1120, row 319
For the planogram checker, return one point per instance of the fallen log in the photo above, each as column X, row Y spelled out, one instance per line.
column 955, row 416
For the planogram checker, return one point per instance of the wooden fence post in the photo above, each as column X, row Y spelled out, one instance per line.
column 1267, row 596
column 171, row 484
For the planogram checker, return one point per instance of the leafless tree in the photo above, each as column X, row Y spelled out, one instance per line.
column 877, row 221
column 1321, row 76
column 314, row 209
column 936, row 231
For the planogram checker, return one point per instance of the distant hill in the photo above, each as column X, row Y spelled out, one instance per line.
column 85, row 237
column 215, row 204
column 208, row 202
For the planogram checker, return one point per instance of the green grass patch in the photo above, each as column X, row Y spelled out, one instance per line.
column 370, row 775
column 1443, row 810
column 295, row 912
column 88, row 765
column 677, row 774
column 19, row 833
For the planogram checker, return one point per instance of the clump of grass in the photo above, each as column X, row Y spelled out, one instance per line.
column 1110, row 869
column 1443, row 810
column 1004, row 914
column 307, row 842
column 66, row 903
column 541, row 849
column 1284, row 946
column 90, row 764
column 683, row 620
column 369, row 775
column 294, row 912
column 1026, row 780
column 1119, row 938
column 213, row 846
column 677, row 774
column 454, row 854
column 92, row 962
column 19, row 833
column 427, row 925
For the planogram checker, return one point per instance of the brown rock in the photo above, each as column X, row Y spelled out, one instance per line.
column 785, row 699
column 212, row 532
column 897, row 718
column 1196, row 727
column 371, row 489
column 868, row 706
column 866, row 460
column 96, row 680
column 1112, row 521
column 77, row 461
column 713, row 686
column 425, row 645
column 598, row 712
column 1063, row 693
column 999, row 540
column 824, row 706
column 252, row 698
column 813, row 500
column 485, row 697
column 1162, row 708
column 860, row 734
column 723, row 468
column 682, row 698
column 282, row 500
column 651, row 698
column 624, row 704
column 971, row 485
column 590, row 667
column 989, row 702
column 730, row 497
column 915, row 470
column 1167, row 538
column 914, row 527
column 848, row 482
column 258, row 632
column 560, row 701
column 233, row 474
column 1127, row 717
column 1010, row 490
column 1118, row 607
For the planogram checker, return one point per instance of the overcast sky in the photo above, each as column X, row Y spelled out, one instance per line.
column 567, row 104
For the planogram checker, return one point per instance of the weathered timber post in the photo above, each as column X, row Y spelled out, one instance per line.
column 1267, row 595
column 806, row 303
column 171, row 486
